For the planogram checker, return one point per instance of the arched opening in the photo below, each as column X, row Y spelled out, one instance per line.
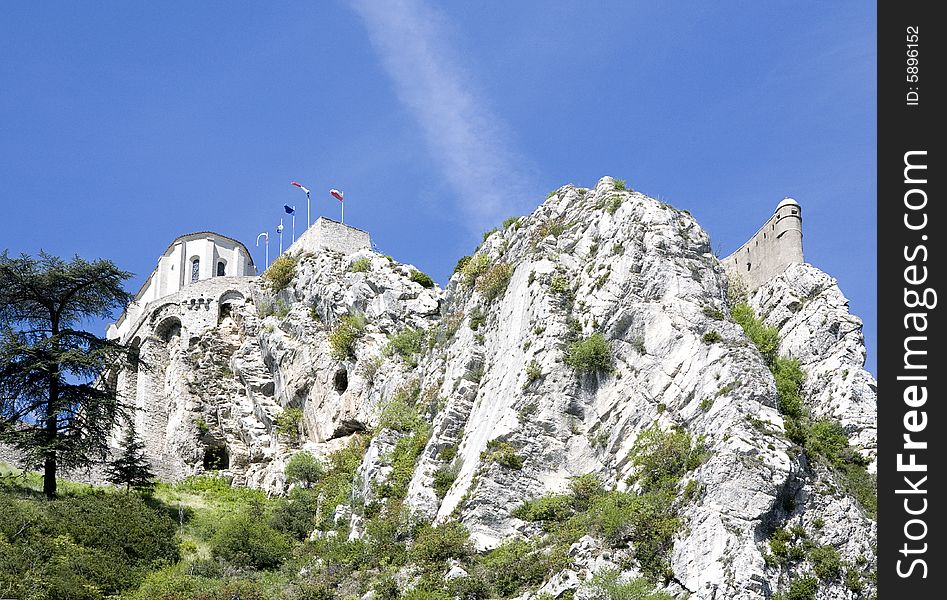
column 341, row 381
column 216, row 458
column 747, row 266
column 221, row 268
column 195, row 269
column 226, row 302
column 168, row 328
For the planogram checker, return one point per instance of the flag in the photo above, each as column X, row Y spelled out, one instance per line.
column 301, row 187
column 289, row 209
column 337, row 194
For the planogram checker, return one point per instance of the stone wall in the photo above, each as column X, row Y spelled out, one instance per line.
column 326, row 234
column 775, row 246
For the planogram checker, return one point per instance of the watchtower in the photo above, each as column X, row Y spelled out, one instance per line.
column 775, row 246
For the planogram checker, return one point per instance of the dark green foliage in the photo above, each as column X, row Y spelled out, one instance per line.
column 549, row 510
column 280, row 273
column 304, row 468
column 461, row 263
column 584, row 489
column 613, row 204
column 433, row 546
column 789, row 379
column 502, row 453
column 591, row 355
column 663, row 457
column 444, row 478
column 343, row 336
column 559, row 284
column 71, row 547
column 713, row 313
column 405, row 343
column 605, row 585
column 510, row 221
column 826, row 562
column 131, row 469
column 295, row 515
column 765, row 337
column 477, row 318
column 803, row 588
column 246, row 540
column 533, row 372
column 516, row 564
column 620, row 185
column 336, row 485
column 51, row 411
column 288, row 422
column 712, row 337
column 422, row 278
column 474, row 267
column 404, row 460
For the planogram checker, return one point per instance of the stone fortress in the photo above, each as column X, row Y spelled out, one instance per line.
column 193, row 289
column 775, row 246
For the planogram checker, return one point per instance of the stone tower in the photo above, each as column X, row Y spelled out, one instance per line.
column 776, row 245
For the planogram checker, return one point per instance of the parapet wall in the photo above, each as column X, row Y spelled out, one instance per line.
column 776, row 245
column 326, row 234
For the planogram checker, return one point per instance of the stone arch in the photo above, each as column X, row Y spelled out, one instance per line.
column 168, row 328
column 225, row 303
column 216, row 457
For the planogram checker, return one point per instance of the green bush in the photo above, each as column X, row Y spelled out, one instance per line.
column 435, row 545
column 343, row 336
column 605, row 585
column 712, row 337
column 516, row 564
column 549, row 510
column 502, row 453
column 662, row 458
column 247, row 541
column 826, row 562
column 803, row 588
column 288, row 422
column 474, row 267
column 584, row 489
column 404, row 460
column 510, row 221
column 559, row 284
column 789, row 378
column 422, row 278
column 619, row 185
column 493, row 282
column 461, row 263
column 406, row 343
column 444, row 478
column 613, row 204
column 304, row 468
column 477, row 318
column 591, row 355
column 280, row 274
column 295, row 515
column 362, row 265
column 533, row 372
column 714, row 313
column 763, row 336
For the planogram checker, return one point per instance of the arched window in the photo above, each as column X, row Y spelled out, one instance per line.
column 221, row 268
column 195, row 269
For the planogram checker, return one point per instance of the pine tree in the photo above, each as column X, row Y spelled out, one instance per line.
column 131, row 469
column 58, row 404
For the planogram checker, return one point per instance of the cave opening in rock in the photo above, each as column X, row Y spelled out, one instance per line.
column 216, row 458
column 341, row 380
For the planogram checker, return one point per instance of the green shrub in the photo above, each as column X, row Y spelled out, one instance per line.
column 714, row 313
column 304, row 468
column 405, row 343
column 444, row 478
column 826, row 562
column 487, row 234
column 591, row 355
column 280, row 274
column 584, row 489
column 502, row 453
column 343, row 336
column 404, row 460
column 605, row 585
column 510, row 221
column 803, row 588
column 559, row 284
column 550, row 227
column 295, row 515
column 662, row 458
column 461, row 263
column 533, row 372
column 477, row 318
column 336, row 485
column 619, row 185
column 288, row 422
column 764, row 337
column 493, row 282
column 474, row 267
column 422, row 278
column 712, row 337
column 362, row 265
column 789, row 379
column 399, row 414
column 516, row 564
column 613, row 204
column 549, row 510
column 246, row 540
column 435, row 545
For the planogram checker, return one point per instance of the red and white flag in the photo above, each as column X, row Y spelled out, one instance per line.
column 337, row 194
column 300, row 186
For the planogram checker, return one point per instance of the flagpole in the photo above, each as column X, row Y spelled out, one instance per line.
column 280, row 231
column 266, row 247
column 343, row 212
column 294, row 224
column 308, row 220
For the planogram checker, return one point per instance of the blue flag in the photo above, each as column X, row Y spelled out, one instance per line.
column 289, row 209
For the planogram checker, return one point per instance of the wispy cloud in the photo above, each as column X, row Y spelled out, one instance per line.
column 468, row 142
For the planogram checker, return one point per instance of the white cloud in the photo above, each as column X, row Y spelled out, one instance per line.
column 467, row 141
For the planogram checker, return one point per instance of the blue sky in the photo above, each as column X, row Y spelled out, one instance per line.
column 123, row 125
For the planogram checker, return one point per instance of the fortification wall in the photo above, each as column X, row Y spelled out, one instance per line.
column 775, row 246
column 326, row 234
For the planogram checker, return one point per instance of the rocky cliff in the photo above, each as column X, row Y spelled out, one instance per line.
column 478, row 399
